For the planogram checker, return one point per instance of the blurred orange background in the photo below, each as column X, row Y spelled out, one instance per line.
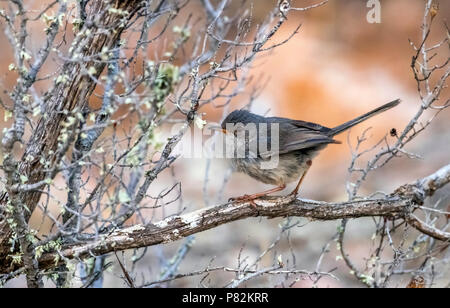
column 338, row 67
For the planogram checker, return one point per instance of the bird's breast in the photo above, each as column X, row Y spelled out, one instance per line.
column 284, row 169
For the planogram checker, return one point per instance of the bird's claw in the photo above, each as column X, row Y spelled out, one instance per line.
column 244, row 198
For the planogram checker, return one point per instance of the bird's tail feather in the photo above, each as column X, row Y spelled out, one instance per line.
column 339, row 129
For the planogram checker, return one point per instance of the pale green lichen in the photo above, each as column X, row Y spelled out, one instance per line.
column 185, row 32
column 155, row 140
column 16, row 259
column 23, row 178
column 123, row 197
column 7, row 115
column 24, row 55
column 52, row 246
column 62, row 79
column 132, row 157
column 166, row 78
column 118, row 11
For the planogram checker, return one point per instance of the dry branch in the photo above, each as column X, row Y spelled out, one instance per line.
column 398, row 205
column 63, row 97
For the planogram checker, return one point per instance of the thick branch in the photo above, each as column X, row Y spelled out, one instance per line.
column 398, row 205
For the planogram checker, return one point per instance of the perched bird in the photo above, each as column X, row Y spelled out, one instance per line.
column 296, row 144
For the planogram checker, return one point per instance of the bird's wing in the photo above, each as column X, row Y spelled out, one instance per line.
column 302, row 138
column 299, row 135
column 301, row 124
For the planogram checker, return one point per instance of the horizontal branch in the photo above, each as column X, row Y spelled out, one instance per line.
column 435, row 181
column 398, row 205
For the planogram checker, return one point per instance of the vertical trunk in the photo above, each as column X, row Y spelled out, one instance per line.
column 69, row 96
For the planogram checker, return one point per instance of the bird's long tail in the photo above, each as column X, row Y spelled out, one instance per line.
column 339, row 129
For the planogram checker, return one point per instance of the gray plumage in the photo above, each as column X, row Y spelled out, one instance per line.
column 299, row 143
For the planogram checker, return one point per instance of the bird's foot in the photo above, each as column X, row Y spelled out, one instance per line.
column 245, row 198
column 293, row 194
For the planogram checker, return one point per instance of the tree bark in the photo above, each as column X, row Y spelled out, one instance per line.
column 65, row 98
column 399, row 205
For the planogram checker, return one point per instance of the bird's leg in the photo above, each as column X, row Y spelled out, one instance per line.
column 250, row 198
column 295, row 191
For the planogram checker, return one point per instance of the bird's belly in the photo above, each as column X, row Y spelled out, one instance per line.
column 290, row 168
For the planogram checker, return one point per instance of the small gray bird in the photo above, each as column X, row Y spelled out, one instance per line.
column 298, row 142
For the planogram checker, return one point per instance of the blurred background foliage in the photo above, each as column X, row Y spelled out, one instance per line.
column 338, row 67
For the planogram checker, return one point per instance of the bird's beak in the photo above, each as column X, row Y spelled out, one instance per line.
column 218, row 128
